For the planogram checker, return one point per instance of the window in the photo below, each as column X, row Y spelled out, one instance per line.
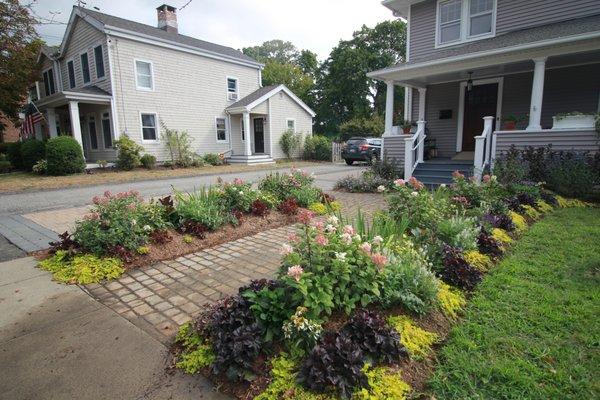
column 243, row 130
column 232, row 85
column 143, row 75
column 221, row 129
column 291, row 125
column 480, row 17
column 71, row 72
column 49, row 82
column 92, row 131
column 106, row 133
column 99, row 59
column 461, row 21
column 450, row 20
column 149, row 131
column 85, row 68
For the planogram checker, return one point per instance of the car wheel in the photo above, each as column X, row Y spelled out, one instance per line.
column 349, row 162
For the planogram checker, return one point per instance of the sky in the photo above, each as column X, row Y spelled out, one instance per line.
column 317, row 25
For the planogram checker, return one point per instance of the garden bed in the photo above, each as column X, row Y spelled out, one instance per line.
column 358, row 311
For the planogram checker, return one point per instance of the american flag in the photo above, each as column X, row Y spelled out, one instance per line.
column 32, row 117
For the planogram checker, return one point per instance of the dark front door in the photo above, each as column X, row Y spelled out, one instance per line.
column 259, row 135
column 480, row 102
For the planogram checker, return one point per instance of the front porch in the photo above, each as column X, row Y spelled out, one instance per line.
column 250, row 137
column 463, row 107
column 87, row 116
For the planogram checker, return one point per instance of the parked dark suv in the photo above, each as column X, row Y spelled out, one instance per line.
column 361, row 149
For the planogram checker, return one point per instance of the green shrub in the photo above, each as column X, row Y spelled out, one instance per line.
column 306, row 195
column 32, row 151
column 13, row 154
column 148, row 161
column 40, row 167
column 82, row 269
column 572, row 177
column 281, row 185
column 290, row 142
column 129, row 151
column 64, row 156
column 317, row 147
column 459, row 232
column 238, row 195
column 5, row 166
column 179, row 145
column 213, row 159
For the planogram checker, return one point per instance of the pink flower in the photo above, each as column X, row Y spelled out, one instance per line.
column 122, row 195
column 108, row 194
column 319, row 226
column 400, row 182
column 293, row 238
column 321, row 240
column 93, row 216
column 96, row 200
column 414, row 182
column 238, row 181
column 346, row 238
column 366, row 247
column 379, row 260
column 295, row 272
column 349, row 229
column 100, row 200
column 457, row 175
column 304, row 216
column 487, row 179
column 286, row 249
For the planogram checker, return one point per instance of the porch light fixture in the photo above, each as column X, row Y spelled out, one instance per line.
column 470, row 82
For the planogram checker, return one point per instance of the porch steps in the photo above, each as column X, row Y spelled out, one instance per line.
column 251, row 160
column 436, row 172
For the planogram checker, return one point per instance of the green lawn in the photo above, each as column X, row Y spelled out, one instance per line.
column 532, row 330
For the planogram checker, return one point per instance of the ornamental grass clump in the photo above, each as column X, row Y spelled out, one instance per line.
column 204, row 206
column 417, row 341
column 82, row 269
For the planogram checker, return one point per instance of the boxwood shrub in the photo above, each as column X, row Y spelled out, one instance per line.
column 32, row 151
column 64, row 156
column 13, row 153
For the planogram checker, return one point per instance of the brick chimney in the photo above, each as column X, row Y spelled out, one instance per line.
column 167, row 18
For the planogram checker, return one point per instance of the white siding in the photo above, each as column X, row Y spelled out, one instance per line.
column 284, row 107
column 83, row 39
column 189, row 92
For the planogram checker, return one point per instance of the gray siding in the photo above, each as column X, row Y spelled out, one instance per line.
column 511, row 15
column 393, row 146
column 560, row 140
column 442, row 97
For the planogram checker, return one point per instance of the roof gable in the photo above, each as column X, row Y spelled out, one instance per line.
column 261, row 95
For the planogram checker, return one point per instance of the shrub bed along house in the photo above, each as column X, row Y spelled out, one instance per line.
column 351, row 306
column 124, row 228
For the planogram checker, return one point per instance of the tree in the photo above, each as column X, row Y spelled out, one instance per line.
column 276, row 73
column 308, row 63
column 344, row 90
column 273, row 50
column 19, row 46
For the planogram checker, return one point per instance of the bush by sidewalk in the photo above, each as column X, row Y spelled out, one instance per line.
column 64, row 156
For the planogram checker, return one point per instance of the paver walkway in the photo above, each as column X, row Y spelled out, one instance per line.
column 161, row 297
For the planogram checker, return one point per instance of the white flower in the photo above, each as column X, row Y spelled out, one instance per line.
column 340, row 256
column 241, row 192
column 333, row 220
column 346, row 238
column 380, row 189
column 357, row 237
column 133, row 222
column 414, row 194
column 443, row 185
column 286, row 249
column 377, row 240
column 147, row 228
column 330, row 228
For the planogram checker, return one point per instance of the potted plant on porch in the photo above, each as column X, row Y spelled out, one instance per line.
column 511, row 121
column 406, row 126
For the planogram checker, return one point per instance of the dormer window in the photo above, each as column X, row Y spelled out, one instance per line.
column 460, row 21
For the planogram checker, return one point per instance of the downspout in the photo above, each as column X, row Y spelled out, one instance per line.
column 113, row 102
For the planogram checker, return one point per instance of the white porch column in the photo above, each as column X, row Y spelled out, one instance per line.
column 51, row 114
column 75, row 123
column 422, row 93
column 421, row 129
column 246, row 122
column 389, row 108
column 407, row 103
column 537, row 94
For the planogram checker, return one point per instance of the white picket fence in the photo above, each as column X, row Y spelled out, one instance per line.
column 336, row 152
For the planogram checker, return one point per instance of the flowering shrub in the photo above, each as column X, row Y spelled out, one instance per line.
column 413, row 203
column 82, row 268
column 281, row 185
column 301, row 333
column 118, row 220
column 237, row 195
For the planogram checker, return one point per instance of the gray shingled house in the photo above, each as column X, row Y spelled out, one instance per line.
column 111, row 76
column 473, row 67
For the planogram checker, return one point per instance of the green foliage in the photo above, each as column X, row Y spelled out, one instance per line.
column 384, row 384
column 290, row 142
column 148, row 161
column 203, row 206
column 415, row 205
column 13, row 154
column 82, row 269
column 5, row 165
column 179, row 145
column 417, row 341
column 451, row 301
column 238, row 195
column 306, row 195
column 281, row 185
column 317, row 147
column 32, row 151
column 213, row 159
column 365, row 183
column 196, row 354
column 478, row 260
column 128, row 156
column 64, row 156
column 530, row 331
column 40, row 167
column 290, row 75
column 362, row 126
column 459, row 232
column 301, row 333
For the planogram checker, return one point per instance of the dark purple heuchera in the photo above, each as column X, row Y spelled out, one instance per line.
column 194, row 228
column 336, row 362
column 260, row 208
column 514, row 204
column 289, row 206
column 257, row 285
column 377, row 340
column 549, row 198
column 487, row 244
column 238, row 215
column 65, row 243
column 526, row 199
column 501, row 221
column 161, row 237
column 457, row 271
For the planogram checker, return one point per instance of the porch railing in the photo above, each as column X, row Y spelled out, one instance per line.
column 414, row 148
column 483, row 148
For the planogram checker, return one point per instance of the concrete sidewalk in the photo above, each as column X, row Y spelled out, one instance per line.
column 58, row 343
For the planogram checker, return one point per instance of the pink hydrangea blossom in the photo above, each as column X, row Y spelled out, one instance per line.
column 293, row 238
column 346, row 238
column 321, row 240
column 131, row 206
column 400, row 182
column 305, row 216
column 379, row 260
column 415, row 183
column 319, row 226
column 487, row 179
column 457, row 175
column 295, row 272
column 238, row 181
column 286, row 249
column 366, row 247
column 108, row 194
column 100, row 200
column 349, row 229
